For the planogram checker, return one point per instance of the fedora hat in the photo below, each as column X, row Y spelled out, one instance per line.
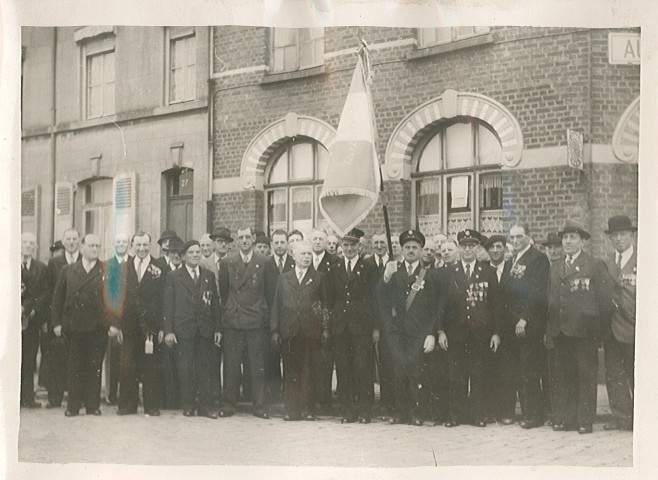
column 619, row 223
column 223, row 233
column 574, row 227
column 167, row 234
column 553, row 238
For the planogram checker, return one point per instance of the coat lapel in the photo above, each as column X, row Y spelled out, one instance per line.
column 187, row 281
column 87, row 277
column 247, row 272
column 580, row 262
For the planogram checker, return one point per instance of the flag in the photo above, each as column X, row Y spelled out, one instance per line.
column 351, row 185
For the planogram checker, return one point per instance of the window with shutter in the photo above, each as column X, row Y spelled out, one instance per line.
column 30, row 210
column 63, row 207
column 124, row 192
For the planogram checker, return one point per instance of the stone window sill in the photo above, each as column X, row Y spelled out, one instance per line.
column 284, row 76
column 423, row 52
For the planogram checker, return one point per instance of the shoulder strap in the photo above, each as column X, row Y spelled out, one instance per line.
column 415, row 288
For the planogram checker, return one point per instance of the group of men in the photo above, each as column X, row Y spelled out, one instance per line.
column 453, row 330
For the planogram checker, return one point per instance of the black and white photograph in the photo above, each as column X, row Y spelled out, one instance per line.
column 297, row 240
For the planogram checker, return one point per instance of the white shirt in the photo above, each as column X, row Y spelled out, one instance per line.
column 145, row 264
column 121, row 259
column 247, row 258
column 381, row 261
column 301, row 273
column 572, row 257
column 499, row 269
column 317, row 259
column 413, row 266
column 27, row 263
column 193, row 271
column 520, row 254
column 349, row 264
column 471, row 264
column 625, row 256
column 87, row 265
column 71, row 258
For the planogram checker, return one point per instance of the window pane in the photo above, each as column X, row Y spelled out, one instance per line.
column 95, row 70
column 323, row 162
column 459, row 143
column 429, row 197
column 311, row 46
column 279, row 171
column 481, row 30
column 302, row 161
column 191, row 50
column 430, row 159
column 108, row 99
column 433, row 36
column 284, row 37
column 489, row 148
column 459, row 193
column 302, row 208
column 463, row 32
column 94, row 102
column 108, row 67
column 277, row 208
column 491, row 192
column 319, row 218
column 290, row 58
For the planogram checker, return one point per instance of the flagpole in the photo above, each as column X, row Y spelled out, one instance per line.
column 364, row 52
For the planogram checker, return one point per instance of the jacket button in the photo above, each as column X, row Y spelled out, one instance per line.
column 347, row 301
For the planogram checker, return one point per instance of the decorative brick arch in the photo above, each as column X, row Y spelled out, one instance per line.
column 451, row 104
column 273, row 136
column 626, row 139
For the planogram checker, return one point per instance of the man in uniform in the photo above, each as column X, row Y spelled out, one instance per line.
column 192, row 322
column 579, row 305
column 245, row 289
column 299, row 324
column 467, row 330
column 78, row 313
column 351, row 308
column 619, row 340
column 34, row 301
column 57, row 360
column 413, row 297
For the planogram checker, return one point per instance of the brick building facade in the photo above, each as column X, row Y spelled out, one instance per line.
column 472, row 126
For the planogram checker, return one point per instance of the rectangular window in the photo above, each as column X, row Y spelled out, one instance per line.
column 100, row 84
column 428, row 37
column 296, row 49
column 491, row 192
column 182, row 68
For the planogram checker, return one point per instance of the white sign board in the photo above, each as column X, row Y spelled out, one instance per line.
column 624, row 48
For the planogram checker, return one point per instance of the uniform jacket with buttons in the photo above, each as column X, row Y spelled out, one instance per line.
column 623, row 298
column 300, row 309
column 191, row 308
column 327, row 262
column 351, row 298
column 579, row 298
column 422, row 317
column 471, row 303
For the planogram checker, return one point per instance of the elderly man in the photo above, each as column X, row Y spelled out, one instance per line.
column 427, row 254
column 467, row 330
column 332, row 244
column 57, row 358
column 78, row 313
column 299, row 324
column 397, row 248
column 353, row 328
column 294, row 237
column 164, row 262
column 192, row 322
column 246, row 290
column 450, row 252
column 438, row 240
column 262, row 244
column 553, row 246
column 579, row 307
column 34, row 302
column 412, row 296
column 206, row 244
column 619, row 339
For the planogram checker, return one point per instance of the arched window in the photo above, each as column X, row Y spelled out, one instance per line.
column 457, row 179
column 293, row 182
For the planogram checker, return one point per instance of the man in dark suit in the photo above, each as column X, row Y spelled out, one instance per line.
column 116, row 271
column 524, row 290
column 142, row 331
column 165, row 262
column 192, row 322
column 280, row 262
column 299, row 323
column 58, row 349
column 579, row 307
column 413, row 297
column 78, row 312
column 244, row 287
column 619, row 339
column 34, row 301
column 323, row 261
column 467, row 330
column 350, row 287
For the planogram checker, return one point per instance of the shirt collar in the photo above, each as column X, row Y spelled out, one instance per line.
column 471, row 263
column 413, row 265
column 520, row 254
column 300, row 269
column 353, row 260
column 247, row 258
column 500, row 266
column 88, row 266
column 572, row 257
column 279, row 258
column 317, row 257
column 27, row 262
column 191, row 270
column 145, row 262
column 121, row 259
column 71, row 257
column 381, row 259
column 625, row 255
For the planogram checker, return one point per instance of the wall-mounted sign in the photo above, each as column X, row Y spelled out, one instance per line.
column 624, row 48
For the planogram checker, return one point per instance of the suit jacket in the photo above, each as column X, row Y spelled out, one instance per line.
column 350, row 298
column 116, row 288
column 524, row 294
column 35, row 295
column 422, row 319
column 579, row 298
column 299, row 310
column 210, row 264
column 623, row 298
column 327, row 263
column 371, row 260
column 246, row 292
column 145, row 300
column 77, row 303
column 190, row 308
column 53, row 270
column 471, row 303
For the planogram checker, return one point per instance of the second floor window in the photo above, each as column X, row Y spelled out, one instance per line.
column 428, row 37
column 182, row 68
column 100, row 84
column 296, row 48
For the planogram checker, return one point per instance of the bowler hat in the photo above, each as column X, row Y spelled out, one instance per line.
column 619, row 223
column 574, row 227
column 353, row 235
column 494, row 239
column 175, row 245
column 223, row 233
column 410, row 235
column 469, row 236
column 167, row 234
column 57, row 246
column 553, row 238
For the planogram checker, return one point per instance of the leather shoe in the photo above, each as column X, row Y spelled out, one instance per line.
column 585, row 429
column 263, row 415
column 451, row 424
column 96, row 412
column 480, row 424
column 563, row 427
column 364, row 420
column 225, row 413
column 348, row 420
column 507, row 421
column 417, row 422
column 309, row 417
column 208, row 414
column 397, row 421
column 291, row 418
column 153, row 413
column 70, row 413
column 188, row 413
column 527, row 424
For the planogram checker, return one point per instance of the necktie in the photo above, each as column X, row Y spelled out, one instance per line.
column 619, row 261
column 300, row 275
column 218, row 263
column 195, row 277
column 515, row 258
column 569, row 261
column 25, row 264
column 410, row 270
column 140, row 272
column 280, row 264
column 468, row 270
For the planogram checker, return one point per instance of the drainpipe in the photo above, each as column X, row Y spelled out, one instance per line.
column 52, row 141
column 211, row 123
